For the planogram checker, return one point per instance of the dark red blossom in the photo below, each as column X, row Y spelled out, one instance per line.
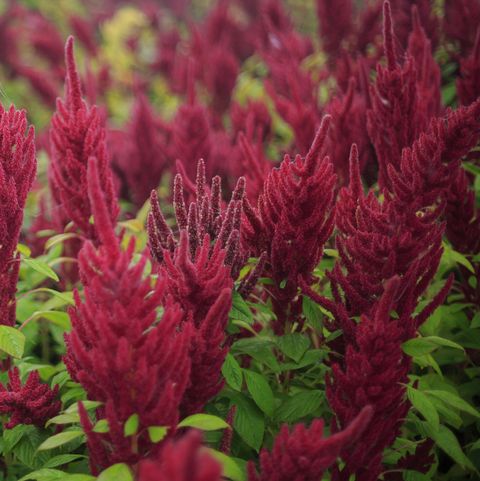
column 17, row 172
column 29, row 403
column 374, row 373
column 77, row 134
column 143, row 159
column 118, row 349
column 468, row 84
column 304, row 454
column 294, row 216
column 398, row 115
column 460, row 23
column 182, row 460
column 206, row 216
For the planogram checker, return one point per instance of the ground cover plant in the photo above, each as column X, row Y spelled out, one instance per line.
column 240, row 240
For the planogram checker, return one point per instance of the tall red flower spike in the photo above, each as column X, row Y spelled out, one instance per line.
column 468, row 85
column 304, row 454
column 76, row 135
column 144, row 159
column 182, row 460
column 137, row 365
column 397, row 116
column 294, row 215
column 374, row 373
column 17, row 172
column 30, row 403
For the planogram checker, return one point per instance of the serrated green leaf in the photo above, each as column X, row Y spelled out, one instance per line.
column 421, row 402
column 12, row 436
column 64, row 419
column 240, row 309
column 421, row 346
column 299, row 405
column 293, row 345
column 62, row 459
column 312, row 313
column 41, row 267
column 88, row 405
column 454, row 401
column 59, row 440
column 117, row 472
column 157, row 433
column 12, row 341
column 44, row 474
column 261, row 391
column 204, row 422
column 231, row 469
column 131, row 425
column 249, row 423
column 232, row 372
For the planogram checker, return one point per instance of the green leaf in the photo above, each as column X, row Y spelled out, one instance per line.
column 66, row 297
column 24, row 250
column 157, row 433
column 312, row 313
column 101, row 426
column 131, row 425
column 261, row 391
column 88, row 405
column 452, row 256
column 232, row 372
column 12, row 341
column 62, row 459
column 425, row 345
column 448, row 442
column 44, row 474
column 231, row 469
column 249, row 423
column 59, row 239
column 59, row 318
column 240, row 309
column 66, row 418
column 59, row 440
column 293, row 345
column 299, row 406
column 117, row 472
column 421, row 402
column 204, row 422
column 12, row 436
column 41, row 267
column 454, row 401
column 475, row 321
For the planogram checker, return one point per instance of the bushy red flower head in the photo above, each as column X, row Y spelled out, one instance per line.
column 118, row 349
column 17, row 172
column 29, row 403
column 304, row 454
column 294, row 216
column 468, row 84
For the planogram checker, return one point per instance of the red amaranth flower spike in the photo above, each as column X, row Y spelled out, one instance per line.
column 468, row 84
column 304, row 454
column 29, row 403
column 77, row 134
column 184, row 459
column 139, row 364
column 17, row 171
column 144, row 159
column 205, row 216
column 294, row 215
column 397, row 116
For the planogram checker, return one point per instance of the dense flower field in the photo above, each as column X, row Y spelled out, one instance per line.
column 240, row 239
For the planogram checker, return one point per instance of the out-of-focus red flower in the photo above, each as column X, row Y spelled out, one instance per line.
column 182, row 460
column 468, row 84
